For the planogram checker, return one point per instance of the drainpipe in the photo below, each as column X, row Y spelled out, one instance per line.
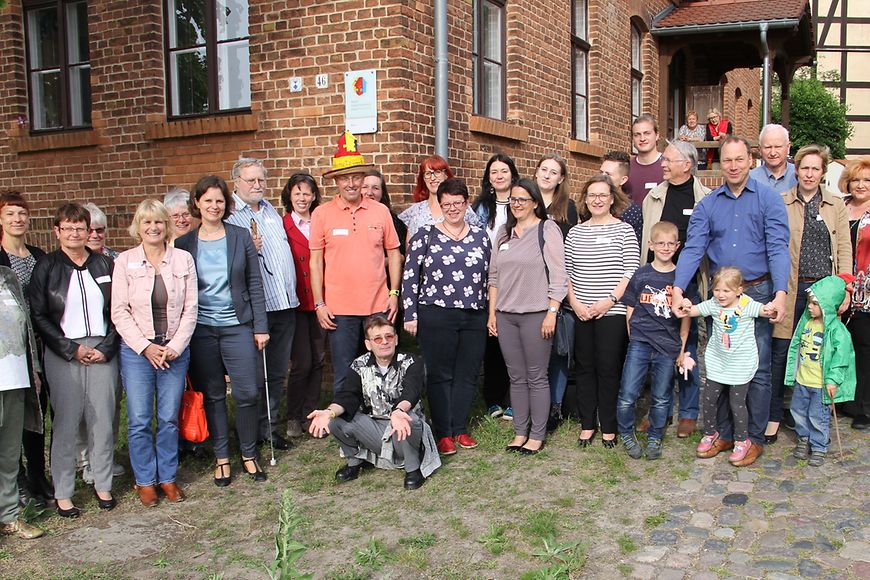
column 441, row 78
column 765, row 77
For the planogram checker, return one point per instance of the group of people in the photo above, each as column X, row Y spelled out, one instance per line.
column 529, row 282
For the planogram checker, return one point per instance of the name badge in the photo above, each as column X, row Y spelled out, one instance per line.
column 604, row 241
column 819, row 217
column 269, row 220
column 135, row 266
column 103, row 280
column 504, row 247
column 340, row 232
column 650, row 184
column 688, row 211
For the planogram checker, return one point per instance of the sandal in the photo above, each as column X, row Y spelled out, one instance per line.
column 225, row 476
column 258, row 474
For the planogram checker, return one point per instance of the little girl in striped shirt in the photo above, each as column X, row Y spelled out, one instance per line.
column 731, row 358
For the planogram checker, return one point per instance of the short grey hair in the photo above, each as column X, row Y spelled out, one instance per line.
column 772, row 127
column 688, row 151
column 247, row 162
column 176, row 196
column 97, row 215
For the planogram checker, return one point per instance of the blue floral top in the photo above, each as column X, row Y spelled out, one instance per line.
column 440, row 271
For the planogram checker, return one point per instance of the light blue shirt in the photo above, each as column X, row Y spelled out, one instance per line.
column 276, row 259
column 778, row 184
column 215, row 300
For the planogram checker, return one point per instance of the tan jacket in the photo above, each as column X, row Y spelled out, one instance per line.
column 836, row 218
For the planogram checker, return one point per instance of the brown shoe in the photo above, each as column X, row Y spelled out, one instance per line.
column 644, row 425
column 172, row 492
column 686, row 427
column 21, row 529
column 719, row 445
column 147, row 494
column 755, row 451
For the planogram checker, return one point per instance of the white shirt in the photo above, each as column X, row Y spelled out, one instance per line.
column 83, row 313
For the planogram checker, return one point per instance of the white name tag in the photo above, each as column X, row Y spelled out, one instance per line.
column 818, row 217
column 504, row 247
column 269, row 220
column 135, row 266
column 103, row 280
column 603, row 240
column 650, row 185
column 340, row 232
column 688, row 211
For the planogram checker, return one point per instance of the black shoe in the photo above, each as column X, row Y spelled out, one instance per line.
column 258, row 474
column 527, row 451
column 105, row 504
column 72, row 512
column 24, row 495
column 861, row 422
column 414, row 479
column 555, row 418
column 223, row 480
column 279, row 442
column 770, row 439
column 348, row 472
column 40, row 487
column 608, row 443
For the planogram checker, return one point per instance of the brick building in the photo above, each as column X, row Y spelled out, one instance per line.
column 111, row 101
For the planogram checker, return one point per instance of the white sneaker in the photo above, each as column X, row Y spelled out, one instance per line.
column 87, row 474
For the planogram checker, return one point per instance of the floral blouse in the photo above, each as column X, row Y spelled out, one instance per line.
column 440, row 271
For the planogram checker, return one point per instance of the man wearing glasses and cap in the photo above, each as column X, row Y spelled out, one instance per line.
column 252, row 212
column 349, row 236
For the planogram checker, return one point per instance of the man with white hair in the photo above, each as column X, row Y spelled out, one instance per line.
column 775, row 171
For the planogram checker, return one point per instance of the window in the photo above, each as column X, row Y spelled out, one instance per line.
column 207, row 56
column 58, row 64
column 488, row 55
column 636, row 72
column 580, row 61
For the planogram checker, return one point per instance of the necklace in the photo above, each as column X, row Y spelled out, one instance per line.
column 457, row 236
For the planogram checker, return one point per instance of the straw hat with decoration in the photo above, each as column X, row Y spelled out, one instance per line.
column 347, row 159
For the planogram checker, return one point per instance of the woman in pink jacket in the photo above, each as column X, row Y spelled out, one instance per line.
column 154, row 307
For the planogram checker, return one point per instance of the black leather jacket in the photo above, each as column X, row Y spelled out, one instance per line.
column 48, row 288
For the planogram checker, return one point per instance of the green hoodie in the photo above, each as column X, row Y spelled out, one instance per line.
column 838, row 355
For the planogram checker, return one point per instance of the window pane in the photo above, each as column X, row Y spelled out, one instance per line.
column 580, row 72
column 189, row 82
column 232, row 19
column 80, row 95
column 46, row 89
column 475, row 35
column 580, row 19
column 234, row 77
column 635, row 98
column 475, row 89
column 77, row 33
column 635, row 49
column 492, row 42
column 492, row 91
column 43, row 33
column 580, row 129
column 187, row 23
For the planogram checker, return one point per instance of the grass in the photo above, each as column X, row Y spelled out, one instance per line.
column 625, row 569
column 373, row 556
column 626, row 544
column 541, row 524
column 494, row 540
column 655, row 520
column 423, row 541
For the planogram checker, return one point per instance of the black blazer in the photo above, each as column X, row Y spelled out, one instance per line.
column 243, row 268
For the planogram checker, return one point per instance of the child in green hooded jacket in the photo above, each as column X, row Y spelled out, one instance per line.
column 821, row 367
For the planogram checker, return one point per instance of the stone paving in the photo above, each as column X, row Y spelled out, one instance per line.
column 777, row 519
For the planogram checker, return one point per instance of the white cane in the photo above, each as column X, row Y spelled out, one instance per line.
column 268, row 408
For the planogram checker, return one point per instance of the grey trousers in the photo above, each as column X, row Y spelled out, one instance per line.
column 366, row 432
column 527, row 356
column 11, row 427
column 81, row 392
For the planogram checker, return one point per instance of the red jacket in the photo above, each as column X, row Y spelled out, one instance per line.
column 302, row 262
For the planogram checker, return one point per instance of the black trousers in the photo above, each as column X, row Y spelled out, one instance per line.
column 496, row 381
column 859, row 327
column 599, row 353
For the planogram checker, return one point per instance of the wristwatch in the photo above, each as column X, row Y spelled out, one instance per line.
column 553, row 309
column 613, row 298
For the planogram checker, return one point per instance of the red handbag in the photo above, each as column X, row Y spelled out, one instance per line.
column 192, row 424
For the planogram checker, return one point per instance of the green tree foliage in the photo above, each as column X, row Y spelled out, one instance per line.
column 816, row 115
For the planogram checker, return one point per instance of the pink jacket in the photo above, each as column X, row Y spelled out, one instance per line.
column 132, row 284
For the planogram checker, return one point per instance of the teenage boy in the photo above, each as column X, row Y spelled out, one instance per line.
column 657, row 339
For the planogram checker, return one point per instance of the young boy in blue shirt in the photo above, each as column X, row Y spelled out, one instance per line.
column 657, row 339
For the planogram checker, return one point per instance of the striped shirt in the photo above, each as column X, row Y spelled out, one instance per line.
column 276, row 260
column 598, row 257
column 731, row 357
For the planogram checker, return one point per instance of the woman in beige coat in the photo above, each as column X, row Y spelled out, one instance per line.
column 818, row 247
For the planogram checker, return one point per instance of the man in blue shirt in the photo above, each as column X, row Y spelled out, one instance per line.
column 775, row 171
column 743, row 223
column 279, row 282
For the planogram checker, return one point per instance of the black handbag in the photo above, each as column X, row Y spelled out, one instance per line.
column 563, row 336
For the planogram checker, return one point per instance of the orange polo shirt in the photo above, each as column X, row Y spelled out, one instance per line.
column 353, row 241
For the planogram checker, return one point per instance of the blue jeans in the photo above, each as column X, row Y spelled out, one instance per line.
column 779, row 356
column 153, row 460
column 758, row 396
column 690, row 389
column 345, row 344
column 812, row 417
column 558, row 373
column 640, row 360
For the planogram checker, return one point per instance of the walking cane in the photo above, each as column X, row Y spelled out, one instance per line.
column 837, row 429
column 268, row 408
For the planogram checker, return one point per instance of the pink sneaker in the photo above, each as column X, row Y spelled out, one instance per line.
column 707, row 442
column 740, row 449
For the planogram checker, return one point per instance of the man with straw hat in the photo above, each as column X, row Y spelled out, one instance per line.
column 349, row 237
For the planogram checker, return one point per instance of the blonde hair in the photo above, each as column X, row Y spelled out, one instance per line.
column 853, row 168
column 152, row 209
column 729, row 276
column 665, row 228
column 814, row 149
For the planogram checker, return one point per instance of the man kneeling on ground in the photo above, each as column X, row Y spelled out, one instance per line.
column 377, row 417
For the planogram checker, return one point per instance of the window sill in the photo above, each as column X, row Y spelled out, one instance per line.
column 216, row 125
column 497, row 128
column 54, row 141
column 585, row 148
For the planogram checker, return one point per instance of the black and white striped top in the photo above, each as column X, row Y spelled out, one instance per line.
column 598, row 257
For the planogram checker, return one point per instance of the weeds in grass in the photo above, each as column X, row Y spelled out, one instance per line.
column 373, row 556
column 655, row 520
column 424, row 540
column 566, row 501
column 31, row 513
column 349, row 573
column 457, row 525
column 161, row 562
column 626, row 544
column 288, row 549
column 625, row 569
column 5, row 554
column 541, row 524
column 768, row 507
column 494, row 540
column 565, row 560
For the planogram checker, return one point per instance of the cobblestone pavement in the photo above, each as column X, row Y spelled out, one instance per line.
column 777, row 519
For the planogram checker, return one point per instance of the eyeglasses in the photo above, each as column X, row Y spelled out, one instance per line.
column 98, row 231
column 383, row 338
column 856, row 181
column 519, row 200
column 180, row 216
column 672, row 161
column 597, row 195
column 453, row 205
column 665, row 244
column 72, row 230
column 254, row 180
column 432, row 174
